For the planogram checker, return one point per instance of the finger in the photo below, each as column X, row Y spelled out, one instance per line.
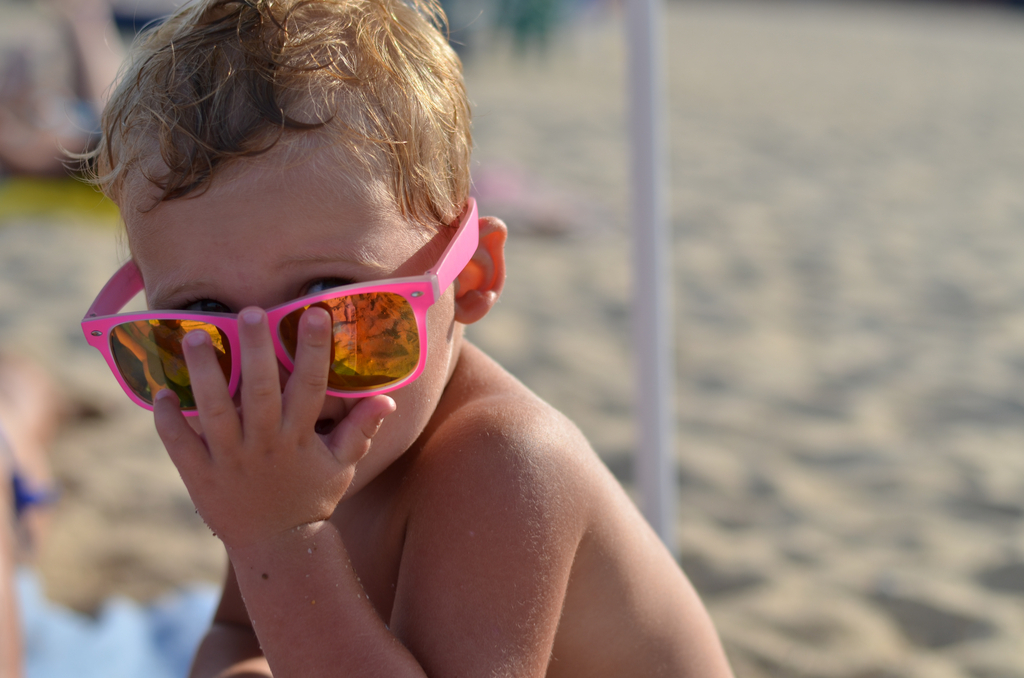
column 183, row 445
column 261, row 382
column 307, row 386
column 350, row 441
column 216, row 409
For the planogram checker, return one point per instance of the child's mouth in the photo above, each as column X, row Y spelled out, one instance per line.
column 325, row 426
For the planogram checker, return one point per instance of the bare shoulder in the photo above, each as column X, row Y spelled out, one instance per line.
column 512, row 509
column 498, row 444
column 489, row 410
column 495, row 435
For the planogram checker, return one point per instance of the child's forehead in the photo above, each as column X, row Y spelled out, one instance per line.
column 316, row 171
column 289, row 202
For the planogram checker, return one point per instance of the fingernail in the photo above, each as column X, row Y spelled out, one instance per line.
column 381, row 417
column 316, row 320
column 164, row 394
column 251, row 317
column 195, row 338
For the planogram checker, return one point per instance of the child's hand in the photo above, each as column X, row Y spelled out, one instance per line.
column 264, row 470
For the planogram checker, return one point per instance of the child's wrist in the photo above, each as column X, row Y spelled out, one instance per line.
column 284, row 543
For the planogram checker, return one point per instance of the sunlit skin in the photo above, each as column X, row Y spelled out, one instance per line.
column 458, row 526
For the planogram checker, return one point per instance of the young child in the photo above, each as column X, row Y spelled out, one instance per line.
column 294, row 178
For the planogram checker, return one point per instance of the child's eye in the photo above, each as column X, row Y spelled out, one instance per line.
column 207, row 306
column 324, row 284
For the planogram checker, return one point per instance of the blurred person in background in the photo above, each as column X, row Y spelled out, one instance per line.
column 57, row 63
column 29, row 410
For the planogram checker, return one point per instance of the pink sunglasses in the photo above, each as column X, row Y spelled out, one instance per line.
column 379, row 330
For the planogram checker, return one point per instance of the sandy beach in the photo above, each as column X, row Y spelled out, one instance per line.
column 849, row 306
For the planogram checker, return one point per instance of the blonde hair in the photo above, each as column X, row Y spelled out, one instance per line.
column 228, row 79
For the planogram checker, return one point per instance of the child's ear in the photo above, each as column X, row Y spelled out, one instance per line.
column 479, row 285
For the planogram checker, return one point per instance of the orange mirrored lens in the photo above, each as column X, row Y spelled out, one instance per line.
column 149, row 356
column 376, row 341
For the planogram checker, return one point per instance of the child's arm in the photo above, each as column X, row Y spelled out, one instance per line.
column 264, row 484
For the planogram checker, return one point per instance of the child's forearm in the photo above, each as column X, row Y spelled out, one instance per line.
column 229, row 651
column 310, row 612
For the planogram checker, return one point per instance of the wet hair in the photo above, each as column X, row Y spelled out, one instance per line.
column 227, row 79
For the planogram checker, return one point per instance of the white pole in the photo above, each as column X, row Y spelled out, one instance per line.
column 652, row 302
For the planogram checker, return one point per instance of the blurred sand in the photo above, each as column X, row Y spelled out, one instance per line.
column 850, row 317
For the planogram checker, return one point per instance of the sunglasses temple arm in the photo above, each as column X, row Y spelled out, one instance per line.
column 118, row 291
column 460, row 250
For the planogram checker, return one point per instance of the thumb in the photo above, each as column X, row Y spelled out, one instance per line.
column 350, row 441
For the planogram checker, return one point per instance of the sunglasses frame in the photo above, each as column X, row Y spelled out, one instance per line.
column 421, row 292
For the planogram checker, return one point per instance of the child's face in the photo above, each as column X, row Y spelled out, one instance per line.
column 270, row 232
